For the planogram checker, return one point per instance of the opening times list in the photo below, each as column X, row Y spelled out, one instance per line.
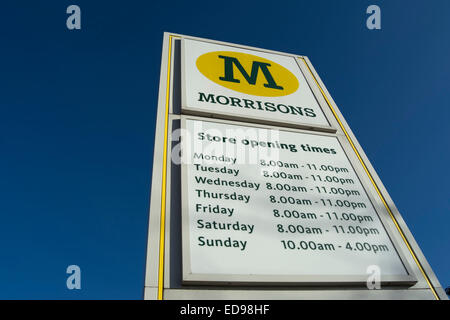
column 289, row 205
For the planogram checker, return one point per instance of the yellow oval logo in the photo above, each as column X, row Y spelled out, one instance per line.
column 247, row 73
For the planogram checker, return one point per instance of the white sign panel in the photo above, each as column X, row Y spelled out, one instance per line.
column 247, row 84
column 263, row 205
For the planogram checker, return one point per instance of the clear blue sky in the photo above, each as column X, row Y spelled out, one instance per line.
column 77, row 120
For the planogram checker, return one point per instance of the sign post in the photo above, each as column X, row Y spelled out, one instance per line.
column 261, row 191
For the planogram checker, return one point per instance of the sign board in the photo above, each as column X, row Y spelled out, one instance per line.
column 236, row 83
column 273, row 193
column 275, row 206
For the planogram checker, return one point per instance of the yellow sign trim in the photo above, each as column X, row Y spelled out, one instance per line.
column 163, row 185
